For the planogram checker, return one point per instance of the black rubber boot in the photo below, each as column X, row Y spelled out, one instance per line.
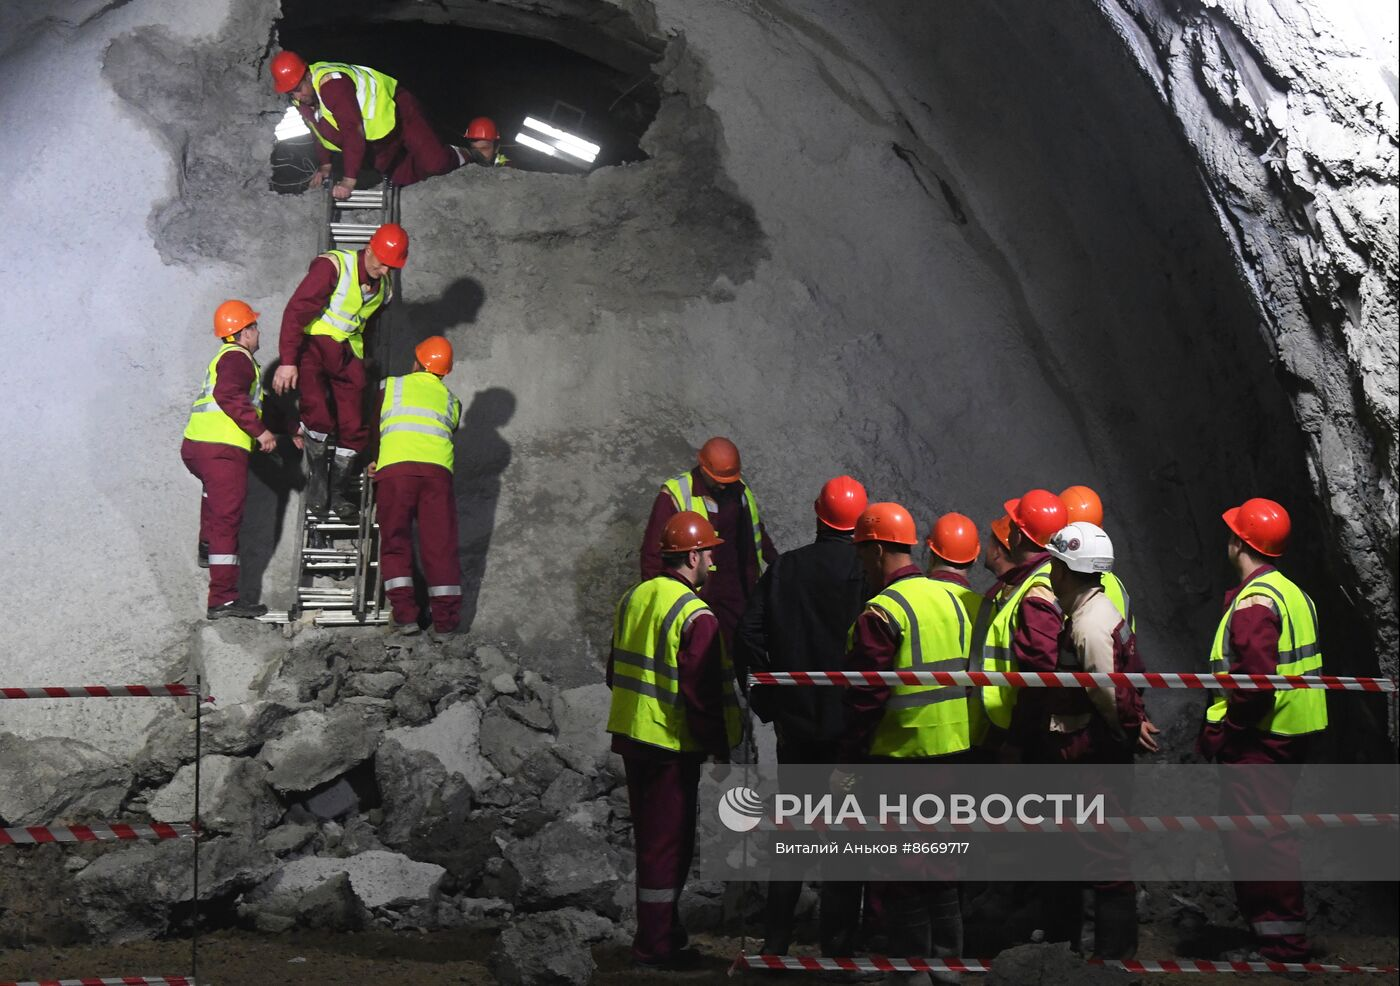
column 778, row 912
column 909, row 937
column 345, row 492
column 945, row 928
column 1115, row 924
column 202, row 554
column 318, row 465
column 236, row 609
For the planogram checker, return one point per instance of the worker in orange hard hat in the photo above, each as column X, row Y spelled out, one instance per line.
column 413, row 479
column 323, row 353
column 796, row 620
column 715, row 487
column 1024, row 629
column 1083, row 504
column 365, row 116
column 1269, row 626
column 997, row 558
column 483, row 144
column 673, row 704
column 912, row 622
column 225, row 426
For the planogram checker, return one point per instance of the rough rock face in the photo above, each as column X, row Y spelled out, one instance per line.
column 1291, row 111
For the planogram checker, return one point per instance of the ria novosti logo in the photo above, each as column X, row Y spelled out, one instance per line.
column 741, row 809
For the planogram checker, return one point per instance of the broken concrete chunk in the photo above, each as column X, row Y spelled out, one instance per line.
column 317, row 746
column 454, row 737
column 379, row 878
column 581, row 718
column 565, row 865
column 1052, row 965
column 51, row 781
column 542, row 950
column 531, row 712
column 234, row 796
column 507, row 743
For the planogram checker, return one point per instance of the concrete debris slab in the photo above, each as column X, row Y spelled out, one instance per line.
column 509, row 744
column 532, row 712
column 233, row 792
column 1052, row 965
column 549, row 949
column 54, row 781
column 316, row 746
column 454, row 737
column 380, row 684
column 581, row 715
column 379, row 878
column 335, row 800
column 565, row 865
column 237, row 658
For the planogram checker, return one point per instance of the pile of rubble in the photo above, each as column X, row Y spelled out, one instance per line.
column 348, row 782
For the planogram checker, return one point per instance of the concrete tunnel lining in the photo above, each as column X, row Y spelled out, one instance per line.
column 954, row 251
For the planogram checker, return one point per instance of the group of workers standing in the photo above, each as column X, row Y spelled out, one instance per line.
column 368, row 119
column 716, row 601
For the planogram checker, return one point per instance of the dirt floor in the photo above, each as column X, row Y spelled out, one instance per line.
column 245, row 959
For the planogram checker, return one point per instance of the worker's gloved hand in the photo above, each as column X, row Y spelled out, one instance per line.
column 284, row 379
column 320, row 175
column 267, row 442
column 842, row 782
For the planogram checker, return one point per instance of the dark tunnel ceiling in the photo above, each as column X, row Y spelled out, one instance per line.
column 460, row 72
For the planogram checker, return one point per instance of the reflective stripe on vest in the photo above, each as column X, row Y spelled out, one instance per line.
column 935, row 633
column 683, row 496
column 998, row 703
column 647, row 704
column 348, row 310
column 416, row 420
column 374, row 92
column 1297, row 711
column 208, row 422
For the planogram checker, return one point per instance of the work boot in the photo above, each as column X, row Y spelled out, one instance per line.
column 237, row 608
column 945, row 929
column 345, row 496
column 779, row 906
column 1115, row 924
column 202, row 554
column 396, row 629
column 909, row 939
column 317, row 490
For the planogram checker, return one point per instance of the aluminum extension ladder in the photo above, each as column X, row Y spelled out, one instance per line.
column 337, row 564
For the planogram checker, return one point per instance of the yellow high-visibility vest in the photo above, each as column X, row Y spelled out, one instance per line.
column 208, row 422
column 998, row 703
column 1117, row 594
column 348, row 310
column 935, row 634
column 1296, row 711
column 416, row 420
column 374, row 92
column 684, row 496
column 647, row 704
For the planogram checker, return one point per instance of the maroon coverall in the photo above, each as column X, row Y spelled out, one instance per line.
column 223, row 470
column 662, row 789
column 1274, row 909
column 407, row 154
column 330, row 376
column 1035, row 646
column 736, row 563
column 421, row 490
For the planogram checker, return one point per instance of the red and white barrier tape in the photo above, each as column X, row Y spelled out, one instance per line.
column 881, row 964
column 40, row 834
column 1160, row 823
column 103, row 691
column 1075, row 679
column 111, row 981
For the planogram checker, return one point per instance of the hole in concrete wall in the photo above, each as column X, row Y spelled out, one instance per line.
column 458, row 73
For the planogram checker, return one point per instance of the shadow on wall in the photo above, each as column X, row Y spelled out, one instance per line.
column 482, row 457
column 415, row 321
column 271, row 482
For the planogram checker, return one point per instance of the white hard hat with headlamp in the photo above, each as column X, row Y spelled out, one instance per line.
column 1083, row 547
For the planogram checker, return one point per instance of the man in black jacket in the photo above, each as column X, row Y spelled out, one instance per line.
column 796, row 620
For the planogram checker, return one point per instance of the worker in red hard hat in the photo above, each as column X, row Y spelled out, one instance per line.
column 225, row 426
column 1087, row 726
column 483, row 144
column 1024, row 629
column 796, row 620
column 322, row 351
column 912, row 622
column 1269, row 626
column 673, row 704
column 413, row 479
column 715, row 487
column 1083, row 504
column 367, row 117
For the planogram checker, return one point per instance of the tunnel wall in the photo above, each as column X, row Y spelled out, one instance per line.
column 956, row 251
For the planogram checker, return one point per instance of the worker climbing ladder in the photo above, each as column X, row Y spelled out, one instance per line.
column 337, row 563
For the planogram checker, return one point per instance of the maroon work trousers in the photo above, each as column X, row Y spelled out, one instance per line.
column 414, row 151
column 1274, row 909
column 407, row 492
column 223, row 471
column 332, row 382
column 662, row 795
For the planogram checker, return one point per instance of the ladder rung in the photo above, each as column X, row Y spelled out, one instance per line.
column 329, row 554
